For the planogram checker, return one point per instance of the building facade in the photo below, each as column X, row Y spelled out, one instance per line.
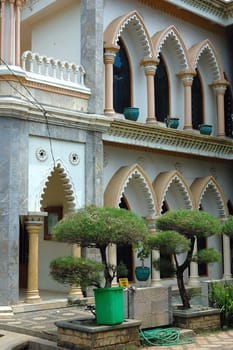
column 68, row 69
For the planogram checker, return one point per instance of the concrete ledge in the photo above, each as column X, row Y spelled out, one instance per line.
column 197, row 319
column 85, row 334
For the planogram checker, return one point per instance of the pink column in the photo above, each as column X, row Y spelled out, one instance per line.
column 150, row 68
column 12, row 36
column 109, row 57
column 187, row 78
column 17, row 33
column 2, row 29
column 220, row 88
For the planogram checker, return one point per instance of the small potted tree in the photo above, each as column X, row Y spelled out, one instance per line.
column 142, row 272
column 99, row 227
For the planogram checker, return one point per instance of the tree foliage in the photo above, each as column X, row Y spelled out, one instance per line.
column 76, row 271
column 228, row 227
column 98, row 227
column 189, row 223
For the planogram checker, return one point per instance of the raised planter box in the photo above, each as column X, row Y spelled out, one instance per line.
column 197, row 318
column 85, row 334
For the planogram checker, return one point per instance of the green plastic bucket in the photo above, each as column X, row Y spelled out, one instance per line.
column 109, row 305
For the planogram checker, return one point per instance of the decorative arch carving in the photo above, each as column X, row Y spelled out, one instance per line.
column 119, row 182
column 171, row 32
column 203, row 184
column 163, row 182
column 206, row 48
column 66, row 183
column 118, row 25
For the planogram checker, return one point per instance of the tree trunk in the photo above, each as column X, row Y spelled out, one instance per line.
column 107, row 275
column 183, row 293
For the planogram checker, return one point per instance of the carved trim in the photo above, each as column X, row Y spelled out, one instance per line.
column 203, row 184
column 163, row 182
column 167, row 139
column 117, row 26
column 119, row 183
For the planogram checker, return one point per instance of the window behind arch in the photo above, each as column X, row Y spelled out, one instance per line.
column 197, row 102
column 161, row 91
column 121, row 80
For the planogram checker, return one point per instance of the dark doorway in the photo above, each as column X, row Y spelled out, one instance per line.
column 125, row 252
column 23, row 255
column 161, row 92
column 121, row 80
column 197, row 102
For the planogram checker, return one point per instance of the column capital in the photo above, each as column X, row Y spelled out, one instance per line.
column 187, row 76
column 110, row 54
column 36, row 218
column 220, row 86
column 150, row 64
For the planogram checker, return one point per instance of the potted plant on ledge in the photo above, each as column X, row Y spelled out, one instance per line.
column 97, row 227
column 142, row 272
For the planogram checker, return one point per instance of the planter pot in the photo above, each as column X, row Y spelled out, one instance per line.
column 172, row 123
column 131, row 113
column 142, row 273
column 205, row 129
column 109, row 305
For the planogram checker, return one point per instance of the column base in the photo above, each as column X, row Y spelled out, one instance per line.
column 156, row 283
column 151, row 120
column 109, row 112
column 32, row 297
column 194, row 282
column 75, row 292
column 227, row 276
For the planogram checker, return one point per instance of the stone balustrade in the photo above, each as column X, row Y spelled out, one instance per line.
column 56, row 69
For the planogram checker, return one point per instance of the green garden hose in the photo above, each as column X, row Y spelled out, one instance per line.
column 164, row 337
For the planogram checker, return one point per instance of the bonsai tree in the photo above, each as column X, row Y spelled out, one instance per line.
column 177, row 232
column 96, row 227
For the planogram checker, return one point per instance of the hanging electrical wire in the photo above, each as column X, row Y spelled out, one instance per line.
column 33, row 101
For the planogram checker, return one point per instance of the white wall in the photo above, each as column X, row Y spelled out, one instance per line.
column 58, row 34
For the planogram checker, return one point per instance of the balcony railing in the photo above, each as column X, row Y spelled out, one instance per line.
column 51, row 69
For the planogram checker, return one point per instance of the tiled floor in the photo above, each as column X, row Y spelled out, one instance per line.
column 40, row 323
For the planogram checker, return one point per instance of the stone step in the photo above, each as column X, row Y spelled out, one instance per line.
column 6, row 312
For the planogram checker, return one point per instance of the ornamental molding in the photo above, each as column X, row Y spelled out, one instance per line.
column 158, row 138
column 216, row 11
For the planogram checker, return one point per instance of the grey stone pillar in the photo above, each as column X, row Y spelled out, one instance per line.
column 94, row 169
column 92, row 51
column 13, row 203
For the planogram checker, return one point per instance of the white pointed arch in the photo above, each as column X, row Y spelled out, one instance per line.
column 131, row 180
column 67, row 186
column 206, row 48
column 115, row 29
column 172, row 35
column 201, row 186
column 164, row 182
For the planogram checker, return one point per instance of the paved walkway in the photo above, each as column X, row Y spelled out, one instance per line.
column 40, row 324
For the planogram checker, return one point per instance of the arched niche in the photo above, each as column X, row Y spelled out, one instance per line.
column 130, row 29
column 204, row 57
column 170, row 44
column 171, row 187
column 57, row 190
column 132, row 183
column 208, row 194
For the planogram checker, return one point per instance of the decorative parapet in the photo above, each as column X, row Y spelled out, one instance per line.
column 155, row 137
column 53, row 71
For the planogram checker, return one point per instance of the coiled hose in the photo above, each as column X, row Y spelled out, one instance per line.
column 164, row 337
